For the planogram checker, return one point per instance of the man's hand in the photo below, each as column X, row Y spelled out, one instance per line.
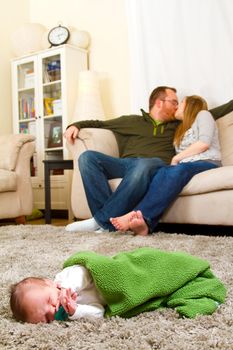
column 71, row 134
column 68, row 300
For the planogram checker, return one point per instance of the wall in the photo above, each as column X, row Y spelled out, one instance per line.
column 106, row 22
column 13, row 14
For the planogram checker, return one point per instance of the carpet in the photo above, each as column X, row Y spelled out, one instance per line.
column 40, row 251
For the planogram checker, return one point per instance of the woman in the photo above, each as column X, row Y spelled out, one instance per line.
column 197, row 146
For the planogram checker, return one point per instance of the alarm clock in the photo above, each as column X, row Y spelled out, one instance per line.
column 58, row 35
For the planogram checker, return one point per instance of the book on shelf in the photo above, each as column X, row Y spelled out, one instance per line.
column 26, row 108
column 46, row 76
column 32, row 128
column 23, row 128
column 48, row 105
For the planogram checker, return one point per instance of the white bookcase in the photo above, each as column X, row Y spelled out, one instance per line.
column 44, row 92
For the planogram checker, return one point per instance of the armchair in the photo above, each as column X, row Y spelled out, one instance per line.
column 16, row 199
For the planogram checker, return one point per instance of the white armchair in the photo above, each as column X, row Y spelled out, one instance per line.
column 16, row 199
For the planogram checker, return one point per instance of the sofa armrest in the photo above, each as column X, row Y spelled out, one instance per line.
column 22, row 170
column 11, row 145
column 20, row 201
column 95, row 139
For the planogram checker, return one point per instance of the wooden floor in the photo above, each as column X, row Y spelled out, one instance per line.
column 55, row 222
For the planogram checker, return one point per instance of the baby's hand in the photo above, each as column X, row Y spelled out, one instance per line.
column 68, row 300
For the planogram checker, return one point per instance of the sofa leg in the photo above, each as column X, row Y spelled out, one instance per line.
column 20, row 220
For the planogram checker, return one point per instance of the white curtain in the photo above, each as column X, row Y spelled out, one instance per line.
column 187, row 44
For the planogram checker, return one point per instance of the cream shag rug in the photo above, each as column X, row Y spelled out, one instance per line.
column 41, row 250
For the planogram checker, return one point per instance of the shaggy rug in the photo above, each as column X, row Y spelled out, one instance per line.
column 40, row 251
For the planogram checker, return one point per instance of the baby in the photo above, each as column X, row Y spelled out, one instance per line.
column 37, row 300
column 124, row 285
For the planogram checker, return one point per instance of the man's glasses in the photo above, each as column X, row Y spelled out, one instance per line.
column 173, row 102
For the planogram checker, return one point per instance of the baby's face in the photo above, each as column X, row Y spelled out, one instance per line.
column 43, row 303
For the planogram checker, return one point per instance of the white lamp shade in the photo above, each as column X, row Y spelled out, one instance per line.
column 27, row 39
column 79, row 38
column 89, row 103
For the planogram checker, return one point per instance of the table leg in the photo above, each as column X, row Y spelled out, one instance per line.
column 47, row 194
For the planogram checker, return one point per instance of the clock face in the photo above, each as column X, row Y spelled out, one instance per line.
column 58, row 35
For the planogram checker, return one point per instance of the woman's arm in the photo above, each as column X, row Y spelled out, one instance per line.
column 192, row 150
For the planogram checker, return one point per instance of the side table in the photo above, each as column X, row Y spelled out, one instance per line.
column 49, row 165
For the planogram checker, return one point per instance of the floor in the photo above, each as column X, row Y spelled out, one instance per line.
column 41, row 221
column 59, row 218
column 55, row 222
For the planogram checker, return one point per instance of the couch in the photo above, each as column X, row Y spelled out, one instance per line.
column 207, row 199
column 16, row 199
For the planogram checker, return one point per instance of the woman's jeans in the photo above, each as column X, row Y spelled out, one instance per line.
column 165, row 187
column 97, row 168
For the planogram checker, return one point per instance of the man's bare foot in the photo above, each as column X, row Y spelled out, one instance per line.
column 138, row 225
column 121, row 223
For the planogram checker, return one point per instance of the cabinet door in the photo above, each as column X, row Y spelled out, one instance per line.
column 51, row 105
column 25, row 101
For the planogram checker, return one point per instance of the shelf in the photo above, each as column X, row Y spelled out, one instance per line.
column 52, row 83
column 26, row 89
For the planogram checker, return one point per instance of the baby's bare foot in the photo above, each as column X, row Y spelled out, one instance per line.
column 138, row 225
column 121, row 223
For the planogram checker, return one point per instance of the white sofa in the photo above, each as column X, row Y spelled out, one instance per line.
column 16, row 199
column 207, row 199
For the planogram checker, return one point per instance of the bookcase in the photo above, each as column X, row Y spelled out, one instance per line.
column 44, row 92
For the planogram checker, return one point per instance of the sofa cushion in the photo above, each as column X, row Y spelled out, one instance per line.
column 210, row 181
column 9, row 149
column 225, row 127
column 7, row 181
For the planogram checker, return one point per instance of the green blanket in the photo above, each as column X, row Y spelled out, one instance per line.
column 146, row 279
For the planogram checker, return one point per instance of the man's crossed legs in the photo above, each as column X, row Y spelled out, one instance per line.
column 96, row 169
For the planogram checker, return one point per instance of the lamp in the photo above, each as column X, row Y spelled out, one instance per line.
column 79, row 38
column 28, row 38
column 89, row 103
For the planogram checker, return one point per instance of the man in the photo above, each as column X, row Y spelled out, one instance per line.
column 145, row 144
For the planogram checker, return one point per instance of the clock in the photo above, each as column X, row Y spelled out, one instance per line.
column 58, row 35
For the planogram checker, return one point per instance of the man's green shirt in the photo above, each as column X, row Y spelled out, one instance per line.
column 142, row 136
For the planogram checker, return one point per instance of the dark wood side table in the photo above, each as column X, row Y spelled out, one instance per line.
column 48, row 166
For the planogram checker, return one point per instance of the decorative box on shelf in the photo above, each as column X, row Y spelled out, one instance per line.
column 54, row 70
column 29, row 80
column 57, row 107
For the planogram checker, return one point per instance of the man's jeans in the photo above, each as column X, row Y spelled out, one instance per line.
column 165, row 187
column 97, row 168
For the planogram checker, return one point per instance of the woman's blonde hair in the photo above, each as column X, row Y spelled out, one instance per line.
column 194, row 104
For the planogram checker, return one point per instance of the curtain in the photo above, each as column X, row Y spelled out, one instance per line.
column 186, row 44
